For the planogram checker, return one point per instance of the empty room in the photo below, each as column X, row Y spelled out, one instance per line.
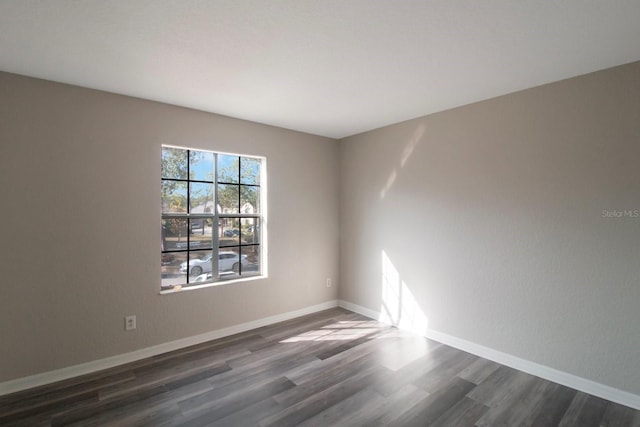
column 320, row 213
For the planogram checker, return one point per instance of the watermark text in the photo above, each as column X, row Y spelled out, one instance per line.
column 628, row 213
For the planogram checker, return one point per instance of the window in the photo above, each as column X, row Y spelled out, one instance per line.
column 212, row 217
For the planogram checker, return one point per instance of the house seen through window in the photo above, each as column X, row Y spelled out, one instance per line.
column 211, row 217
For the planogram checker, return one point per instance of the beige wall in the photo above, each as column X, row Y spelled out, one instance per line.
column 79, row 175
column 491, row 216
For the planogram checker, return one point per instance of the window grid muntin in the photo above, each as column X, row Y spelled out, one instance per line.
column 216, row 216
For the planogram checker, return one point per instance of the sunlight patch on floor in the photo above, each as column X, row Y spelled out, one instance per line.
column 339, row 331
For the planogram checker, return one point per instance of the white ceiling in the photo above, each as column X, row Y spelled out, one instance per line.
column 326, row 67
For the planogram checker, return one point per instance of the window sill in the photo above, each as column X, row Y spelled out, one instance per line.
column 179, row 289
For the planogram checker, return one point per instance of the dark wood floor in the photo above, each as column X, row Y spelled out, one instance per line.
column 333, row 368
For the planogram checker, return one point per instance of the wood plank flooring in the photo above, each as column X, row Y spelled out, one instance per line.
column 333, row 368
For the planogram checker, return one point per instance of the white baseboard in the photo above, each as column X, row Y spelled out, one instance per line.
column 37, row 380
column 569, row 380
column 372, row 314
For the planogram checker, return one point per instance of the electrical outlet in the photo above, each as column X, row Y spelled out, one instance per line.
column 129, row 323
column 328, row 282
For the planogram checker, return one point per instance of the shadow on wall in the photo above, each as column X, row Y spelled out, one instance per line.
column 398, row 306
column 406, row 153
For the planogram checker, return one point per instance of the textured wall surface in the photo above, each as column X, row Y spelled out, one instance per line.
column 487, row 221
column 80, row 224
column 495, row 222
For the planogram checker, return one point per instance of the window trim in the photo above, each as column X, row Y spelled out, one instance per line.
column 216, row 216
